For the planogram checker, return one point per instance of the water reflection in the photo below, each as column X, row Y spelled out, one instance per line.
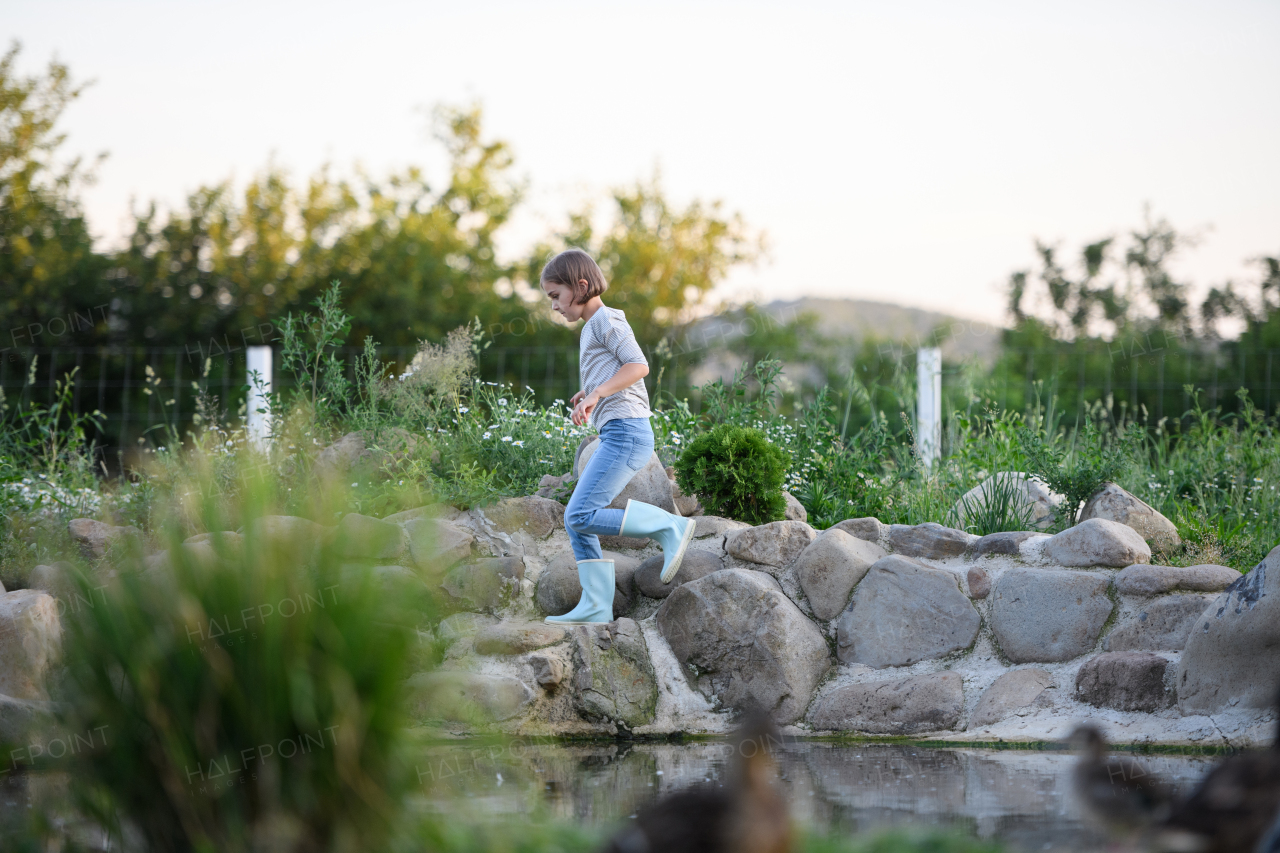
column 1021, row 797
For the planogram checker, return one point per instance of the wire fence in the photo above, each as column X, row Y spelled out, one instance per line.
column 112, row 381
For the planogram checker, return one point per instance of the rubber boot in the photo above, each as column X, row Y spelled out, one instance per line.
column 596, row 605
column 672, row 532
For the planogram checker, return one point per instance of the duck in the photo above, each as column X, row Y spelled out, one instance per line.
column 746, row 814
column 1234, row 809
column 1118, row 792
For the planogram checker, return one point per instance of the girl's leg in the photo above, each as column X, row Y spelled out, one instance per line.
column 625, row 446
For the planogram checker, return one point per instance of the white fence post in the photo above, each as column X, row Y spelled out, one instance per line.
column 258, row 373
column 929, row 404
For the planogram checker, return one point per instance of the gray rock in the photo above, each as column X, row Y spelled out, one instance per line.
column 613, row 678
column 284, row 536
column 1097, row 542
column 930, row 540
column 978, row 581
column 1010, row 692
column 648, row 485
column 486, row 583
column 903, row 706
column 362, row 455
column 1124, row 681
column 57, row 580
column 1162, row 624
column 1115, row 504
column 461, row 625
column 1045, row 615
column 695, row 565
column 904, row 612
column 466, row 697
column 624, row 543
column 539, row 517
column 1032, row 499
column 867, row 528
column 556, row 488
column 95, row 537
column 578, row 461
column 436, row 544
column 795, row 510
column 559, row 589
column 367, row 538
column 686, row 505
column 1005, row 544
column 548, row 671
column 831, row 567
column 714, row 525
column 30, row 642
column 777, row 543
column 1157, row 580
column 742, row 640
column 513, row 638
column 1232, row 657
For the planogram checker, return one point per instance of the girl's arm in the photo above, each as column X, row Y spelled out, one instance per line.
column 627, row 375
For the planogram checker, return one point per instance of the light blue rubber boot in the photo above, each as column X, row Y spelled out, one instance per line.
column 596, row 605
column 672, row 532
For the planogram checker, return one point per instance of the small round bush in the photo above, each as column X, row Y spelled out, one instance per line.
column 736, row 473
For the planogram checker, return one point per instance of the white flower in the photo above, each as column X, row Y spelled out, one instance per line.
column 487, row 435
column 463, row 409
column 506, row 438
column 353, row 485
column 517, row 444
column 502, row 401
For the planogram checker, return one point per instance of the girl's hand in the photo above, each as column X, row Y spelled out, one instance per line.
column 577, row 398
column 582, row 411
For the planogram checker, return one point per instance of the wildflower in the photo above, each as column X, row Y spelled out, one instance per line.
column 506, row 438
column 502, row 401
column 517, row 444
column 463, row 409
column 353, row 485
column 487, row 435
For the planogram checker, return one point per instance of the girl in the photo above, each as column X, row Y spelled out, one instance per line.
column 611, row 370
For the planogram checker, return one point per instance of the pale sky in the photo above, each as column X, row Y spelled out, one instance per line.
column 907, row 152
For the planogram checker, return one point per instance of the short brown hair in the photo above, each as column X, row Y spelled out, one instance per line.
column 572, row 266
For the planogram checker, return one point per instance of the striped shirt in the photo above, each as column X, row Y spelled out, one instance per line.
column 607, row 344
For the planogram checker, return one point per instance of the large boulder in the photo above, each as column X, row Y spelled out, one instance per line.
column 1157, row 580
column 1098, row 542
column 30, row 642
column 902, row 706
column 613, row 678
column 795, row 510
column 484, row 584
column 461, row 625
column 830, row 567
column 1232, row 657
column 1124, row 681
column 714, row 525
column 466, row 697
column 95, row 537
column 1115, row 504
column 559, row 589
column 742, row 640
column 1047, row 616
column 556, row 488
column 1011, row 692
column 648, row 485
column 930, row 540
column 686, row 505
column 695, row 565
column 867, row 527
column 777, row 543
column 436, row 544
column 284, row 536
column 1031, row 499
column 365, row 538
column 22, row 720
column 1161, row 624
column 904, row 612
column 539, row 517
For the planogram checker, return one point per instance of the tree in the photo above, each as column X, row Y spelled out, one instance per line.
column 50, row 278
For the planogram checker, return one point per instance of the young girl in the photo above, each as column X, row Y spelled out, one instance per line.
column 611, row 370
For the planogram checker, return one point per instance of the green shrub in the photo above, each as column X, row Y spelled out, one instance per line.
column 250, row 699
column 736, row 473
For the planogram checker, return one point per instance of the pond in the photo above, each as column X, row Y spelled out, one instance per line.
column 1021, row 797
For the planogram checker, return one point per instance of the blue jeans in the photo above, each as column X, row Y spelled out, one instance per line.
column 625, row 446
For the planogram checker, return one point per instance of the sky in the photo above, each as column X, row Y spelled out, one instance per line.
column 907, row 152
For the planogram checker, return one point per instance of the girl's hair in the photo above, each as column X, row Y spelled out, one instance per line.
column 571, row 266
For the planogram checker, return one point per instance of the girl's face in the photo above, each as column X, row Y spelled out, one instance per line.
column 562, row 300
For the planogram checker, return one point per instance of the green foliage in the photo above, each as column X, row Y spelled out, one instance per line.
column 249, row 700
column 736, row 473
column 307, row 346
column 1078, row 468
column 999, row 508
